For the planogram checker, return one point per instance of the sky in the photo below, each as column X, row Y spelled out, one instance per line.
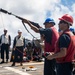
column 33, row 10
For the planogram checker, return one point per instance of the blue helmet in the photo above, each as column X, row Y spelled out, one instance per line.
column 72, row 30
column 49, row 20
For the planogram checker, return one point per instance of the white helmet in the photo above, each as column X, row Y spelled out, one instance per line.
column 5, row 29
column 19, row 30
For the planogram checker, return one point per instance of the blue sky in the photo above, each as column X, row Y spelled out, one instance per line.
column 34, row 10
column 68, row 3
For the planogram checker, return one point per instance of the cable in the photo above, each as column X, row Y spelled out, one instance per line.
column 35, row 24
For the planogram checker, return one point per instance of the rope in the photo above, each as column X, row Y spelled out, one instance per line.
column 28, row 30
column 19, row 50
column 6, row 12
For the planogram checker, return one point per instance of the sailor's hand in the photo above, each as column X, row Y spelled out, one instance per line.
column 50, row 56
column 25, row 21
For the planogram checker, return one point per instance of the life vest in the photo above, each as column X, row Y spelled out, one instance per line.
column 4, row 39
column 19, row 42
column 70, row 50
column 51, row 47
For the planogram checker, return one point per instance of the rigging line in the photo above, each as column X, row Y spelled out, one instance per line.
column 2, row 19
column 24, row 26
column 28, row 30
column 4, row 11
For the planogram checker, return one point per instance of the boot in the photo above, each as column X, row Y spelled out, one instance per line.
column 2, row 62
column 13, row 64
column 6, row 60
column 21, row 64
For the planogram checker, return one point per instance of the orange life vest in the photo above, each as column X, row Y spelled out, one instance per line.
column 70, row 51
column 51, row 47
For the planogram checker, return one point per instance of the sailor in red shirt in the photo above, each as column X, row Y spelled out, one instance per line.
column 50, row 36
column 65, row 47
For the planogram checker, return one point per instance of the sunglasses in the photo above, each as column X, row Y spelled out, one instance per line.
column 63, row 22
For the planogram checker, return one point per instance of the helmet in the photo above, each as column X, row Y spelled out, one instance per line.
column 19, row 30
column 72, row 30
column 5, row 29
column 49, row 20
column 67, row 18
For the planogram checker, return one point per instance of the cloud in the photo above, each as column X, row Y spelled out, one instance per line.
column 34, row 10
